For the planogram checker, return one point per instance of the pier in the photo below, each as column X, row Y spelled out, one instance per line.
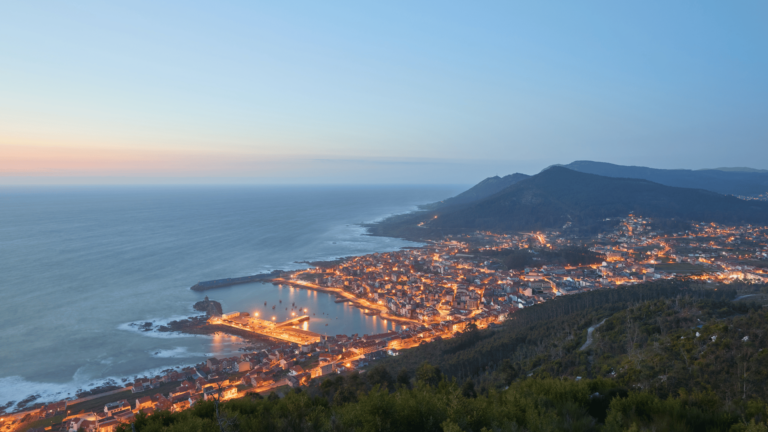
column 221, row 283
column 293, row 321
column 283, row 331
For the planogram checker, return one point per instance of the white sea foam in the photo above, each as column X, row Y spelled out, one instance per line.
column 410, row 209
column 15, row 388
column 152, row 331
column 178, row 352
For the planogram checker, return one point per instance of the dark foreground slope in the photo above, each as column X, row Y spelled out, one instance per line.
column 559, row 195
column 734, row 182
column 645, row 370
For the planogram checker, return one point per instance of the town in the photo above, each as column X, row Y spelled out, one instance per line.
column 459, row 280
column 432, row 292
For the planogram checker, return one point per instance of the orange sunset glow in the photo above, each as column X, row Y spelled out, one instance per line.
column 59, row 160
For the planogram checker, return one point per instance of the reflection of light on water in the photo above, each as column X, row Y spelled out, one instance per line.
column 326, row 316
column 220, row 342
column 305, row 325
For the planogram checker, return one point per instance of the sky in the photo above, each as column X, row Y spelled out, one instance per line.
column 426, row 92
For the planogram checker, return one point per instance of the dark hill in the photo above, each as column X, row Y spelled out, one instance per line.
column 734, row 181
column 559, row 195
column 484, row 189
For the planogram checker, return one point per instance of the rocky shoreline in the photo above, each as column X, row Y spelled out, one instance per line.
column 325, row 264
column 198, row 325
column 210, row 307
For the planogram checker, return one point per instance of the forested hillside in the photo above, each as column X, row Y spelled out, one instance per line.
column 645, row 369
column 536, row 405
column 557, row 196
column 548, row 335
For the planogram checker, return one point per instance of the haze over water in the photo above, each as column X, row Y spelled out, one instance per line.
column 79, row 264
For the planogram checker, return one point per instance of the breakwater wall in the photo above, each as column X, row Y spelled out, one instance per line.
column 221, row 283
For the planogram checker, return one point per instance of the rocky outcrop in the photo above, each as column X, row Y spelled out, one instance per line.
column 210, row 307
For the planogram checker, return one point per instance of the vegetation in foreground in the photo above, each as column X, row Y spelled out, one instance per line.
column 646, row 369
column 534, row 404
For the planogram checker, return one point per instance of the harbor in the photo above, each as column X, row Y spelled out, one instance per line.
column 289, row 330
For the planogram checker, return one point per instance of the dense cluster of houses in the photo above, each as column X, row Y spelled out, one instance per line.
column 447, row 282
column 719, row 252
column 431, row 285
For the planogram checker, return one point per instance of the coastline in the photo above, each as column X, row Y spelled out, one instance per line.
column 277, row 277
column 47, row 388
column 198, row 325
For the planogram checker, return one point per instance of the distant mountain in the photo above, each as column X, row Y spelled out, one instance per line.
column 484, row 189
column 738, row 169
column 733, row 181
column 559, row 195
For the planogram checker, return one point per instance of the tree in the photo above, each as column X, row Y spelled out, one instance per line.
column 468, row 389
column 428, row 375
column 471, row 328
column 380, row 376
column 225, row 421
column 404, row 378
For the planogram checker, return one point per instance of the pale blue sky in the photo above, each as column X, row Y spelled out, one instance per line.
column 376, row 92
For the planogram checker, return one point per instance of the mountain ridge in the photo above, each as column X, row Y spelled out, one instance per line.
column 485, row 188
column 559, row 195
column 729, row 181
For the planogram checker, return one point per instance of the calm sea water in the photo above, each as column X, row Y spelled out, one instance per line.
column 79, row 265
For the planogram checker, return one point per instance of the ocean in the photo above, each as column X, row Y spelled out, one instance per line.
column 81, row 266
